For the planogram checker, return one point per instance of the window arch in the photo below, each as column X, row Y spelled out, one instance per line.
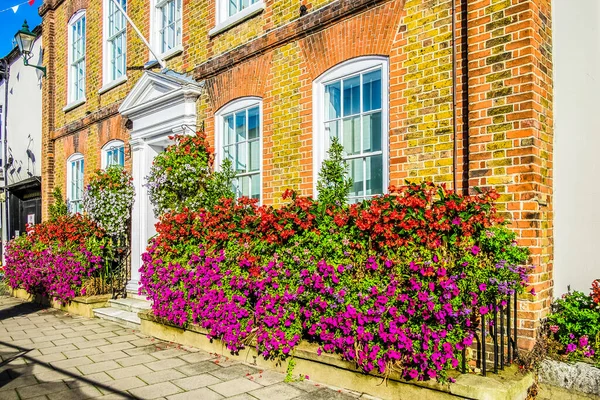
column 77, row 55
column 75, row 183
column 113, row 153
column 351, row 102
column 239, row 138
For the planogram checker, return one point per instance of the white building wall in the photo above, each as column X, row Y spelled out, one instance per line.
column 24, row 120
column 576, row 27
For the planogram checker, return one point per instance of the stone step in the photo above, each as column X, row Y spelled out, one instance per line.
column 122, row 317
column 132, row 305
column 134, row 295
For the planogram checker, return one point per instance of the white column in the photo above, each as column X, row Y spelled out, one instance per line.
column 141, row 208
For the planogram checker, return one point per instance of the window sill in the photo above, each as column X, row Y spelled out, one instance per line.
column 175, row 51
column 238, row 18
column 113, row 84
column 73, row 105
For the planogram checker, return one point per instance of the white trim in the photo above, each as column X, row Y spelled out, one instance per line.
column 109, row 146
column 224, row 24
column 232, row 106
column 70, row 84
column 72, row 158
column 347, row 68
column 74, row 105
column 113, row 84
column 107, row 82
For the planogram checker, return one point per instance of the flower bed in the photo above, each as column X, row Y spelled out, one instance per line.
column 56, row 257
column 392, row 284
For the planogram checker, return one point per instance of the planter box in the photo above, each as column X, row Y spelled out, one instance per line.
column 331, row 370
column 83, row 306
column 580, row 379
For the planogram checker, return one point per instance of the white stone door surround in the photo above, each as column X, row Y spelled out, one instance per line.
column 160, row 105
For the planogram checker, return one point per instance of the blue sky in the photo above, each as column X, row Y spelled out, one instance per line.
column 11, row 22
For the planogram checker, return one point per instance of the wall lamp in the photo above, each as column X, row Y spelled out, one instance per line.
column 25, row 40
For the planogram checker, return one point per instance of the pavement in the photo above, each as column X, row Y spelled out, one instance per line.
column 48, row 354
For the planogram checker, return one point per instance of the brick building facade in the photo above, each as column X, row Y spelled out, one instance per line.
column 475, row 114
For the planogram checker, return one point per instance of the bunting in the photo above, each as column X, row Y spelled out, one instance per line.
column 15, row 8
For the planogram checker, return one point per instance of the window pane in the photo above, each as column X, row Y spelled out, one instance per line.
column 357, row 175
column 253, row 123
column 332, row 101
column 372, row 91
column 232, row 7
column 374, row 174
column 352, row 96
column 241, row 157
column 255, row 186
column 245, row 186
column 229, row 131
column 332, row 130
column 372, row 132
column 244, row 4
column 352, row 135
column 254, row 156
column 240, row 126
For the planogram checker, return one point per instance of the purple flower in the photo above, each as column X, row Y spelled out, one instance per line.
column 456, row 221
column 482, row 286
column 583, row 341
column 571, row 347
column 475, row 250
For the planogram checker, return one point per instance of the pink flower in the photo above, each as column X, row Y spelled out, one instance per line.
column 554, row 328
column 475, row 250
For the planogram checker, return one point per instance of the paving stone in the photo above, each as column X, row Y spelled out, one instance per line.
column 115, row 347
column 121, row 339
column 57, row 349
column 41, row 389
column 72, row 340
column 325, row 394
column 82, row 392
column 93, row 343
column 307, row 386
column 97, row 378
column 170, row 353
column 103, row 335
column 81, row 333
column 9, row 395
column 47, row 338
column 135, row 360
column 204, row 394
column 72, row 362
column 233, row 372
column 81, row 353
column 243, row 396
column 161, row 376
column 197, row 357
column 155, row 391
column 266, row 378
column 131, row 382
column 166, row 364
column 114, row 396
column 48, row 358
column 140, row 350
column 113, row 355
column 142, row 342
column 196, row 381
column 104, row 329
column 236, row 386
column 199, row 368
column 280, row 391
column 98, row 367
column 124, row 372
column 52, row 376
column 8, row 383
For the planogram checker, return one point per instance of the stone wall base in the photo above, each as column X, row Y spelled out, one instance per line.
column 581, row 380
column 83, row 306
column 331, row 370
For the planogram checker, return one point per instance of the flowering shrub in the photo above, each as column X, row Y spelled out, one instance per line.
column 56, row 257
column 574, row 325
column 394, row 283
column 108, row 199
column 181, row 176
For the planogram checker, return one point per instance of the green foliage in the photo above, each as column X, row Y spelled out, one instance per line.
column 59, row 207
column 334, row 184
column 502, row 243
column 182, row 177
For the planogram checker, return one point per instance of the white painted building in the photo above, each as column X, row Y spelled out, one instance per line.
column 576, row 31
column 21, row 128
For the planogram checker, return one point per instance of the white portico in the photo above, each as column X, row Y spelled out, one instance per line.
column 160, row 105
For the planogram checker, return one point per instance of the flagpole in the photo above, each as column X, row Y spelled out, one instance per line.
column 160, row 60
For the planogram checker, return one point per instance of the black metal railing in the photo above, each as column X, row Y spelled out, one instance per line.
column 120, row 271
column 498, row 344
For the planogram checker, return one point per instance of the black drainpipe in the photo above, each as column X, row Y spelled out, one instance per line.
column 465, row 98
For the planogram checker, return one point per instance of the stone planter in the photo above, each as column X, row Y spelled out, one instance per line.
column 83, row 305
column 580, row 379
column 331, row 370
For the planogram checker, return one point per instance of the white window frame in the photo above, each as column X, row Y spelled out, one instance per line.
column 72, row 99
column 113, row 144
column 225, row 21
column 110, row 81
column 156, row 26
column 320, row 138
column 232, row 107
column 74, row 158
